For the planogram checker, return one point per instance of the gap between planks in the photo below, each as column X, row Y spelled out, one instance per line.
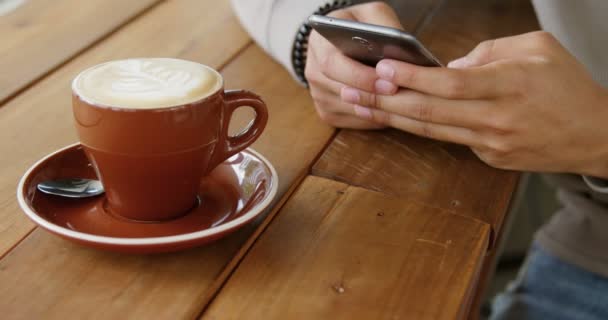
column 234, row 263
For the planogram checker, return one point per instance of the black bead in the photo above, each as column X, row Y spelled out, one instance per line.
column 300, row 47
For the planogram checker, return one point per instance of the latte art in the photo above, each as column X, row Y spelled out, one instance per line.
column 146, row 83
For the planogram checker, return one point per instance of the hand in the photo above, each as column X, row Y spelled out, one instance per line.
column 520, row 103
column 328, row 70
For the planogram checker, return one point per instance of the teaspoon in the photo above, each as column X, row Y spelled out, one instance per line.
column 72, row 188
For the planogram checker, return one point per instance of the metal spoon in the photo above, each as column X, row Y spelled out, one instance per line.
column 72, row 188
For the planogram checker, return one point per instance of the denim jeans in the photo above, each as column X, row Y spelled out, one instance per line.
column 549, row 288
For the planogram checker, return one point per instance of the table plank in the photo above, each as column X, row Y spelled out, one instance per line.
column 342, row 252
column 161, row 286
column 439, row 174
column 39, row 120
column 115, row 283
column 443, row 175
column 41, row 35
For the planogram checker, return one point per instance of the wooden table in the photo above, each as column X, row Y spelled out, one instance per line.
column 367, row 225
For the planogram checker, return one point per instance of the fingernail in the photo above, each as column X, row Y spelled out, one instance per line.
column 385, row 87
column 385, row 71
column 459, row 63
column 363, row 112
column 350, row 95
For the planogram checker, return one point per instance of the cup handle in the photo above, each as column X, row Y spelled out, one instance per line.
column 228, row 146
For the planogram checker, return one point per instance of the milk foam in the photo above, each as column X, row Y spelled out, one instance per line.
column 146, row 83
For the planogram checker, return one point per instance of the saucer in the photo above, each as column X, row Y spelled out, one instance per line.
column 233, row 194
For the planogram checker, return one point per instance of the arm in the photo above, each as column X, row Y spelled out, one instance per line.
column 273, row 24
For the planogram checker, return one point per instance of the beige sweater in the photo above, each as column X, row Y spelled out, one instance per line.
column 578, row 233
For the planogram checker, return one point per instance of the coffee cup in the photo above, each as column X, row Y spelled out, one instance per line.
column 153, row 127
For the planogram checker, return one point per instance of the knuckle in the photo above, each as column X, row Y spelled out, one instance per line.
column 499, row 147
column 426, row 130
column 327, row 117
column 363, row 79
column 485, row 50
column 455, row 86
column 382, row 118
column 311, row 74
column 500, row 125
column 492, row 158
column 339, row 13
column 375, row 101
column 485, row 45
column 485, row 157
column 543, row 38
column 377, row 6
column 325, row 62
column 317, row 97
column 423, row 110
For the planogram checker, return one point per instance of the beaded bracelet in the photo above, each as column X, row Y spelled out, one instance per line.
column 300, row 45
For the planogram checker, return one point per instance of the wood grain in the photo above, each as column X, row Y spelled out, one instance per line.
column 439, row 174
column 80, row 282
column 41, row 35
column 341, row 252
column 39, row 120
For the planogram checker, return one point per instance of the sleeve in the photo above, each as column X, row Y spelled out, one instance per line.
column 596, row 184
column 273, row 24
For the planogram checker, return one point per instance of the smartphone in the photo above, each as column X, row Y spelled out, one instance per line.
column 369, row 43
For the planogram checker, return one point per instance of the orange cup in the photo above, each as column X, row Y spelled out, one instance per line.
column 151, row 161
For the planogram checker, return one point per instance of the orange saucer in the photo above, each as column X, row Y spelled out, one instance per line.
column 235, row 193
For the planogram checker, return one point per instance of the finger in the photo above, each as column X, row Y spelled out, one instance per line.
column 424, row 129
column 415, row 105
column 345, row 70
column 336, row 65
column 378, row 13
column 472, row 83
column 328, row 102
column 338, row 113
column 340, row 68
column 316, row 79
column 326, row 93
column 343, row 120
